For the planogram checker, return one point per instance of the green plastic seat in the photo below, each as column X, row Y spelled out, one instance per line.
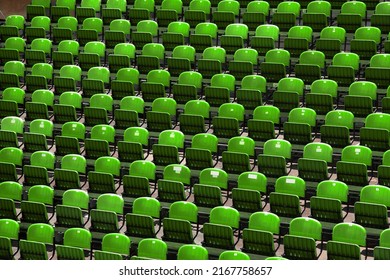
column 276, row 153
column 226, row 13
column 288, row 94
column 322, row 94
column 9, row 231
column 152, row 248
column 310, row 66
column 255, row 14
column 314, row 164
column 286, row 14
column 265, row 37
column 203, row 148
column 337, row 127
column 298, row 128
column 317, row 15
column 233, row 255
column 380, row 17
column 235, row 37
column 331, row 41
column 229, row 120
column 351, row 15
column 365, row 42
column 77, row 242
column 274, row 66
column 298, row 40
column 192, row 252
column 237, row 158
column 346, row 239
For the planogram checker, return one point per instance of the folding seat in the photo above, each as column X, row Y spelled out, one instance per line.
column 37, row 172
column 130, row 107
column 118, row 33
column 258, row 237
column 237, row 157
column 255, row 14
column 39, row 28
column 162, row 116
column 13, row 50
column 114, row 9
column 327, row 205
column 252, row 89
column 114, row 247
column 291, row 185
column 12, row 27
column 212, row 62
column 147, row 30
column 9, row 231
column 299, row 39
column 298, row 129
column 152, row 57
column 39, row 52
column 168, row 12
column 205, row 33
column 331, row 41
column 141, row 10
column 285, row 205
column 244, row 63
column 158, row 81
column 69, row 79
column 286, row 15
column 12, row 102
column 105, row 218
column 10, row 196
column 190, row 83
column 67, row 52
column 40, row 239
column 310, row 67
column 235, row 37
column 125, row 84
column 68, row 109
column 41, row 77
column 222, row 87
column 315, row 162
column 226, row 13
column 93, row 55
column 219, row 231
column 337, row 128
column 70, row 175
column 276, row 153
column 11, row 159
column 140, row 223
column 14, row 73
column 123, row 57
column 101, row 143
column 379, row 70
column 383, row 170
column 375, row 133
column 317, row 15
column 192, row 252
column 62, row 8
column 371, row 210
column 352, row 169
column 197, row 12
column 229, row 120
column 360, row 99
column 90, row 31
column 76, row 246
column 177, row 34
column 288, row 94
column 346, row 241
column 38, row 137
column 68, row 142
column 204, row 147
column 351, row 16
column 96, row 82
column 322, row 96
column 166, row 151
column 365, row 42
column 382, row 251
column 99, row 111
column 182, row 60
column 35, row 209
column 87, row 9
column 344, row 69
column 275, row 64
column 151, row 249
column 135, row 140
column 105, row 176
column 40, row 106
column 233, row 255
column 381, row 17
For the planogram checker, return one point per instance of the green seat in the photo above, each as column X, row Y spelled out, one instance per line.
column 68, row 176
column 351, row 15
column 276, row 153
column 113, row 10
column 197, row 12
column 262, row 126
column 9, row 230
column 146, row 31
column 310, row 67
column 226, row 13
column 366, row 41
column 163, row 114
column 205, row 33
column 96, row 82
column 380, row 18
column 203, row 148
column 381, row 252
column 337, row 127
column 265, row 37
column 68, row 141
column 233, row 255
column 94, row 52
column 244, row 63
column 37, row 138
column 285, row 205
column 114, row 243
column 141, row 10
column 69, row 107
column 123, row 56
column 192, row 252
column 252, row 89
column 70, row 77
column 40, row 78
column 322, row 94
column 131, row 148
column 378, row 72
column 229, row 120
column 383, row 177
column 10, row 194
column 237, row 157
column 344, row 68
column 235, row 37
column 102, row 180
column 288, row 94
column 10, row 160
column 255, row 14
column 275, row 64
column 77, row 244
column 118, row 33
column 66, row 53
column 331, row 41
column 177, row 34
column 286, row 14
column 37, row 172
column 298, row 128
column 66, row 28
column 70, row 212
column 91, row 30
column 99, row 111
column 11, row 128
column 346, row 239
column 375, row 134
column 169, row 12
column 352, row 169
column 40, row 25
column 87, row 9
column 101, row 141
column 298, row 40
column 167, row 150
column 152, row 248
column 38, row 236
column 212, row 61
column 317, row 15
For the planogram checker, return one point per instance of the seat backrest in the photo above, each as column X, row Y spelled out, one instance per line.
column 143, row 168
column 278, row 147
column 291, row 185
column 214, row 177
column 340, row 118
column 319, row 7
column 268, row 30
column 303, row 115
column 349, row 233
column 76, row 198
column 265, row 221
column 333, row 189
column 289, row 7
column 306, row 227
column 358, row 154
column 333, row 32
column 324, row 86
column 237, row 29
column 205, row 141
column 354, row 7
column 278, row 56
column 320, row 151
